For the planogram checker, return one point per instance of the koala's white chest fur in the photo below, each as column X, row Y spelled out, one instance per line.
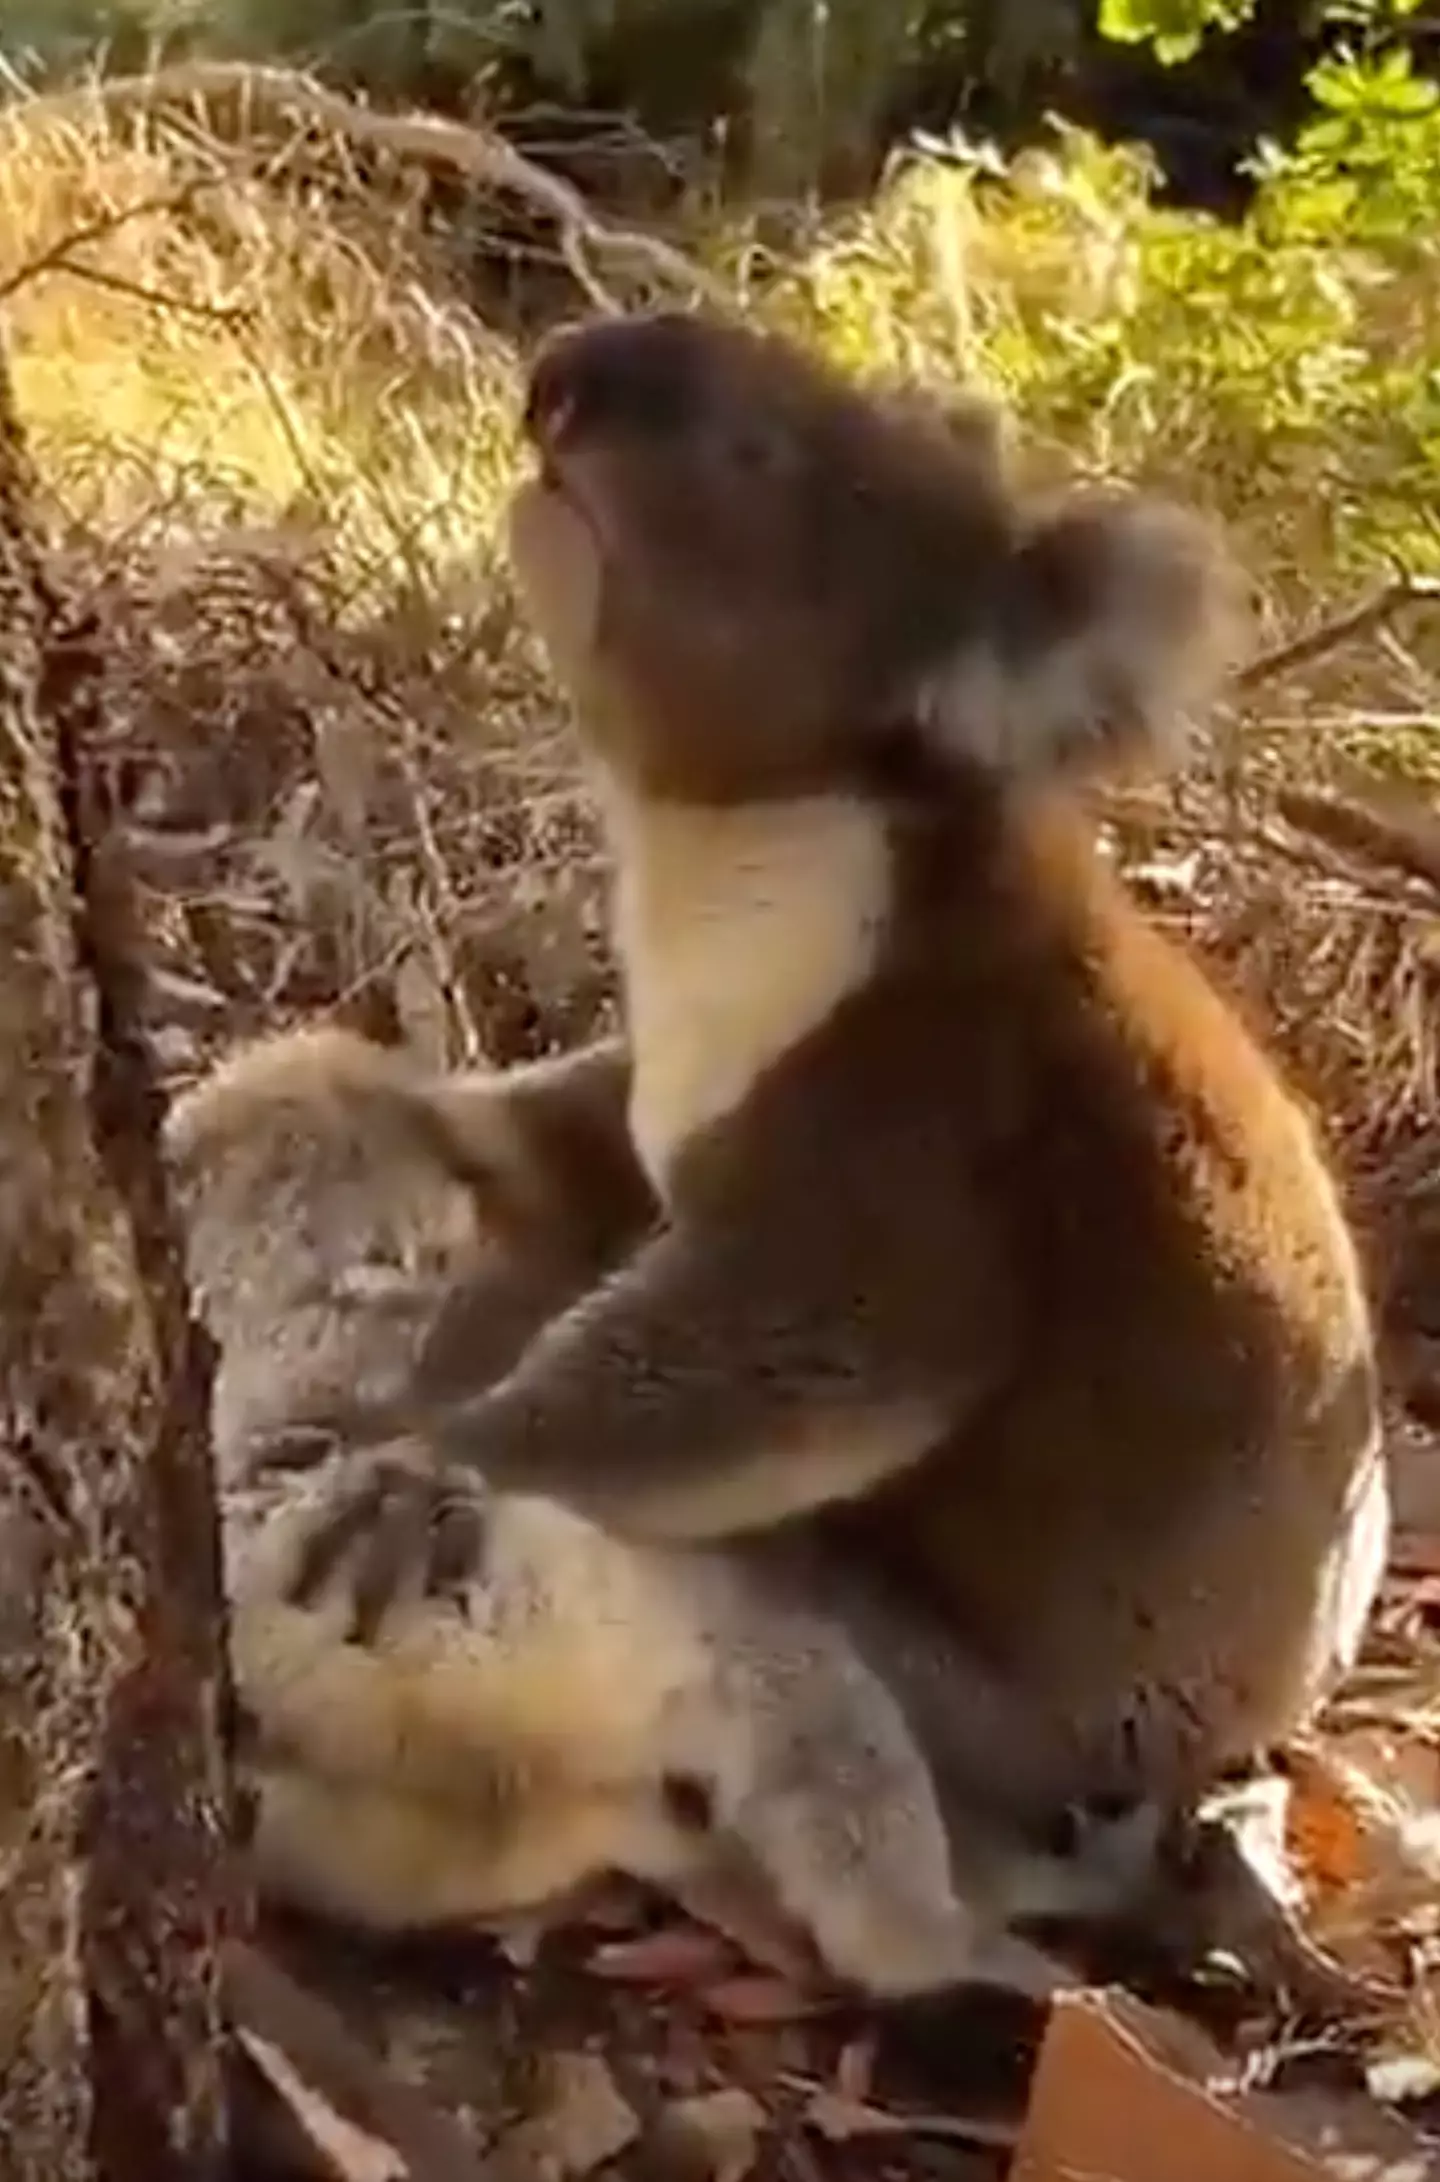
column 738, row 930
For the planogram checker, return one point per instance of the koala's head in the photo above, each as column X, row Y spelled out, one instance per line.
column 303, row 1161
column 754, row 574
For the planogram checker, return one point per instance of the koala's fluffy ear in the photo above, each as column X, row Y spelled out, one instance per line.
column 1114, row 618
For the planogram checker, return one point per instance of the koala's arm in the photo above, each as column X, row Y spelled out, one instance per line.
column 707, row 1388
column 547, row 1146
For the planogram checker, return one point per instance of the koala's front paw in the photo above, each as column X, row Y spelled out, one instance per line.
column 395, row 1523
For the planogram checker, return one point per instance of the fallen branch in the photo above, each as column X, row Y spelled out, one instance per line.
column 1328, row 636
column 430, row 139
column 1407, row 839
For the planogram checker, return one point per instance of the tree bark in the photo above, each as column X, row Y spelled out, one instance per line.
column 113, row 1808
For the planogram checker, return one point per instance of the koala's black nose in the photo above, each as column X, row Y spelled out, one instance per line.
column 640, row 374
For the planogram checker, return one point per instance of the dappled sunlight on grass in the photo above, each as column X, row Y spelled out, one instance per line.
column 255, row 344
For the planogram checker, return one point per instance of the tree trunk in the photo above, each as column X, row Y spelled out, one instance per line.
column 113, row 1817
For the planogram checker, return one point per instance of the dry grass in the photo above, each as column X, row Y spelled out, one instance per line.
column 276, row 449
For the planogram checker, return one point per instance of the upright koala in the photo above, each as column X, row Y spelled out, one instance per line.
column 994, row 1251
column 724, row 1723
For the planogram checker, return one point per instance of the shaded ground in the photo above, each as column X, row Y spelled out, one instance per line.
column 562, row 2071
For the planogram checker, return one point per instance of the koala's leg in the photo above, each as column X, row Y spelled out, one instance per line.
column 865, row 1867
column 813, row 1772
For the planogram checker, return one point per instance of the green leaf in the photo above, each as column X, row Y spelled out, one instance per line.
column 1174, row 28
column 1127, row 22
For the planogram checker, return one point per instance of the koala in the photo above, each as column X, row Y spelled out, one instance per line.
column 567, row 1703
column 993, row 1250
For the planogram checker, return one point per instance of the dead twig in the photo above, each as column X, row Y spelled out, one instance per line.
column 155, row 299
column 1299, row 651
column 60, row 255
column 426, row 138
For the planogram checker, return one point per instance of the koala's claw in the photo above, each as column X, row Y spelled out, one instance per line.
column 385, row 1524
column 348, row 1513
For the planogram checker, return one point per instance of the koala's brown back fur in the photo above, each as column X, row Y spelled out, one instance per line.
column 1193, row 1391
